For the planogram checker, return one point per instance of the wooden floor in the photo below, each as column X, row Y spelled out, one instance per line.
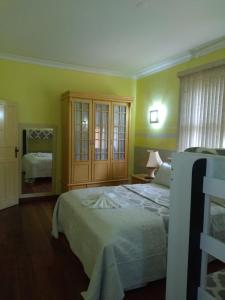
column 34, row 265
column 39, row 185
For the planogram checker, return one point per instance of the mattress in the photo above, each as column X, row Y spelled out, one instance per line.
column 35, row 165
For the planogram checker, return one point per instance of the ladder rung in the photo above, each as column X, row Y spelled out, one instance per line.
column 214, row 187
column 213, row 246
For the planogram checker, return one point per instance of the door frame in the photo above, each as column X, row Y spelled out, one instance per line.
column 23, row 126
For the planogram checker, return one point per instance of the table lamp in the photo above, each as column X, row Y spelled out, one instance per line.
column 154, row 161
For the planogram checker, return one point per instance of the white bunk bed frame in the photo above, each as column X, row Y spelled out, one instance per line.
column 209, row 245
column 195, row 178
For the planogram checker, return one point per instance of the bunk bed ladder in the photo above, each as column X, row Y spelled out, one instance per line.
column 209, row 245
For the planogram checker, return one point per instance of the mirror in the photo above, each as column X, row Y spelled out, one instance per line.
column 37, row 147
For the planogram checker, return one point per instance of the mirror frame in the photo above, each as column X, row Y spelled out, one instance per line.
column 23, row 126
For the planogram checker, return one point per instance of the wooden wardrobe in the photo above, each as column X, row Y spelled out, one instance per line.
column 95, row 140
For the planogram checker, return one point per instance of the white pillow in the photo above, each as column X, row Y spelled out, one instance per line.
column 163, row 175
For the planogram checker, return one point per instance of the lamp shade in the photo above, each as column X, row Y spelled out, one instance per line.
column 154, row 160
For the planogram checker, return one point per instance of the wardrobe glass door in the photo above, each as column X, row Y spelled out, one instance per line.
column 119, row 132
column 82, row 141
column 101, row 138
column 101, row 166
column 119, row 140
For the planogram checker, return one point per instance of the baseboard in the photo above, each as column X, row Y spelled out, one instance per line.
column 38, row 198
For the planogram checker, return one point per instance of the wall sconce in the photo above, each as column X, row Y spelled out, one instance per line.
column 154, row 116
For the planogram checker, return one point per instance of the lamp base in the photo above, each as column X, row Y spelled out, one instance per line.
column 151, row 174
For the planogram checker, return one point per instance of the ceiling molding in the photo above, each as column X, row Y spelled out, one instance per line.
column 163, row 65
column 154, row 68
column 181, row 58
column 60, row 65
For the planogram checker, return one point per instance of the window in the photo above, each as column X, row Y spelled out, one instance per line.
column 202, row 109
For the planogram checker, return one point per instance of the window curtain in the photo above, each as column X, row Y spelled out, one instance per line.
column 202, row 109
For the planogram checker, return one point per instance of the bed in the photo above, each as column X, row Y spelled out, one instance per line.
column 122, row 244
column 199, row 180
column 35, row 165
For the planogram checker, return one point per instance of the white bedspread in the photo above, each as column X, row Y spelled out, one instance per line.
column 37, row 165
column 120, row 249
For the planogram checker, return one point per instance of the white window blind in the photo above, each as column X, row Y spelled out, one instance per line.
column 202, row 109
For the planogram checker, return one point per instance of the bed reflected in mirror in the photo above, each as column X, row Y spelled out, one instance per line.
column 37, row 160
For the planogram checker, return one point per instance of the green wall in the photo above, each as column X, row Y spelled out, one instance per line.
column 37, row 91
column 163, row 89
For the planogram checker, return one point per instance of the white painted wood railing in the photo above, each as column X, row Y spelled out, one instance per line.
column 209, row 245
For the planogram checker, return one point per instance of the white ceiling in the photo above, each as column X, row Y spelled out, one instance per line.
column 118, row 36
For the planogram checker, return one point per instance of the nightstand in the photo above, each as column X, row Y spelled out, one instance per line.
column 140, row 178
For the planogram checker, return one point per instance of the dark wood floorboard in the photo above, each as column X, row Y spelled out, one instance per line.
column 40, row 185
column 35, row 266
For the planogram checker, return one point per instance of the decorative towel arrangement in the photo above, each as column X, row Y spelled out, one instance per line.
column 108, row 199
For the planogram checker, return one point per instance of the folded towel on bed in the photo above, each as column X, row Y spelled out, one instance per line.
column 110, row 200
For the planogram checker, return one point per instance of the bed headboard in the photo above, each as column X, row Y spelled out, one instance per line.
column 37, row 140
column 39, row 133
column 141, row 157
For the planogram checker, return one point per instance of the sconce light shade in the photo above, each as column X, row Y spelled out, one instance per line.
column 154, row 116
column 154, row 161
